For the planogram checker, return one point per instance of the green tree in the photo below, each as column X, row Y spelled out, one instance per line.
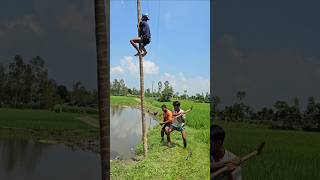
column 283, row 114
column 240, row 95
column 80, row 96
column 40, row 77
column 310, row 114
column 28, row 80
column 166, row 93
column 2, row 85
column 148, row 93
column 15, row 80
column 123, row 88
column 49, row 97
column 159, row 87
column 63, row 93
column 207, row 98
column 135, row 92
column 295, row 112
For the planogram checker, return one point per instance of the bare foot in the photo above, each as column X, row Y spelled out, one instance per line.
column 138, row 53
column 144, row 54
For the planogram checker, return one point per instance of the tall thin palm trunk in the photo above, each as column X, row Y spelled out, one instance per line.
column 102, row 46
column 144, row 125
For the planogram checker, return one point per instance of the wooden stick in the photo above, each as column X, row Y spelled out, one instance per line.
column 243, row 159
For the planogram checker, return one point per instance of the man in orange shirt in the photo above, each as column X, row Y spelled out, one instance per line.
column 167, row 120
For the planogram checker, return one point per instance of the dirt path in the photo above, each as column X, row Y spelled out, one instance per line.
column 89, row 120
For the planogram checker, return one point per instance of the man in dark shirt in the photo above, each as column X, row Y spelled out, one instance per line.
column 144, row 36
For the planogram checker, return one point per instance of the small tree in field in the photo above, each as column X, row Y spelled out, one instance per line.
column 167, row 92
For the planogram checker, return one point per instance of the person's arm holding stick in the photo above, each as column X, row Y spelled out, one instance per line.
column 176, row 115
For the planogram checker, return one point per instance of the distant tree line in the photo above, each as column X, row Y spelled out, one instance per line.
column 164, row 92
column 281, row 116
column 27, row 85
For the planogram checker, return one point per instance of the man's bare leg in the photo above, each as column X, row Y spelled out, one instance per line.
column 144, row 50
column 168, row 131
column 141, row 49
column 162, row 133
column 184, row 138
column 133, row 43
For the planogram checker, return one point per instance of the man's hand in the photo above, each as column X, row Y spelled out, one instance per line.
column 236, row 161
column 233, row 163
column 231, row 167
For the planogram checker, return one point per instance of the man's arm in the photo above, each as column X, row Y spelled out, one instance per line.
column 176, row 114
column 232, row 164
column 165, row 122
column 142, row 28
column 180, row 113
column 217, row 165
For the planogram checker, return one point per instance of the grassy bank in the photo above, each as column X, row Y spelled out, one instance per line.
column 288, row 155
column 43, row 123
column 169, row 163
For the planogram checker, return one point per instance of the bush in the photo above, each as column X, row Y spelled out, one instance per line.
column 281, row 125
column 74, row 109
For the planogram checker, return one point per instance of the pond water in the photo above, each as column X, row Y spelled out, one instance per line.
column 27, row 159
column 31, row 160
column 126, row 131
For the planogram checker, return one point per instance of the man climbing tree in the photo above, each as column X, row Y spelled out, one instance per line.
column 144, row 36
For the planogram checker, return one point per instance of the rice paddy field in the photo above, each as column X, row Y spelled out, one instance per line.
column 44, row 124
column 287, row 155
column 40, row 119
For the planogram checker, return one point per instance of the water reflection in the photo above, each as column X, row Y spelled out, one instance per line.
column 27, row 159
column 126, row 131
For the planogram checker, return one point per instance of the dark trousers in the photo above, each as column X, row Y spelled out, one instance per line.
column 163, row 129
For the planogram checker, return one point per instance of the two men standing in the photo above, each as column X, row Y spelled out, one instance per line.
column 172, row 121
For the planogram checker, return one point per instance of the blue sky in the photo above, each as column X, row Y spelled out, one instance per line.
column 180, row 46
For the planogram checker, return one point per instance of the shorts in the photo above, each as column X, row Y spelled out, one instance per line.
column 165, row 125
column 180, row 129
column 145, row 41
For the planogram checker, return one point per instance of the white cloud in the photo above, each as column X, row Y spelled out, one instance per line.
column 129, row 65
column 117, row 70
column 25, row 23
column 75, row 19
column 150, row 67
column 193, row 85
column 127, row 62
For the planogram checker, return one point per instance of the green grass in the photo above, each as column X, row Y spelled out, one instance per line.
column 123, row 100
column 40, row 119
column 26, row 123
column 170, row 163
column 287, row 154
